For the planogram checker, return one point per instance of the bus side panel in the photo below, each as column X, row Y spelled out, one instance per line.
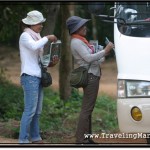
column 125, row 120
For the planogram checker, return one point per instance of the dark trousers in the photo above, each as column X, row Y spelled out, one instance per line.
column 88, row 103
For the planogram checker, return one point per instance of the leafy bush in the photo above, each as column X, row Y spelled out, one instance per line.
column 58, row 117
column 55, row 111
column 11, row 100
column 18, row 10
column 105, row 115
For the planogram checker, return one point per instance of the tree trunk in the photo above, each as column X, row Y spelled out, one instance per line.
column 50, row 10
column 94, row 29
column 66, row 57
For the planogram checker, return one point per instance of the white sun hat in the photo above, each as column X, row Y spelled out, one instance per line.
column 33, row 17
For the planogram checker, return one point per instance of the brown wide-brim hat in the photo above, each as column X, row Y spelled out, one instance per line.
column 74, row 23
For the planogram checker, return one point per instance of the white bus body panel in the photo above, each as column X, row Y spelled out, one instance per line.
column 133, row 62
column 132, row 56
column 125, row 121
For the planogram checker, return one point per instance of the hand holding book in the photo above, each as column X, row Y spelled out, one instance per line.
column 52, row 38
column 52, row 58
column 55, row 60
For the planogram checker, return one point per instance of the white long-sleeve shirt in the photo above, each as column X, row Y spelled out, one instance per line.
column 84, row 57
column 29, row 54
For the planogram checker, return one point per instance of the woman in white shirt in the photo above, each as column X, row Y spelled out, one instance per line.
column 84, row 55
column 31, row 48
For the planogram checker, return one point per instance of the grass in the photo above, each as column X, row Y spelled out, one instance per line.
column 62, row 117
column 59, row 119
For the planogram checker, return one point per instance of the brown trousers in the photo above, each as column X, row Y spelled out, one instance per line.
column 88, row 103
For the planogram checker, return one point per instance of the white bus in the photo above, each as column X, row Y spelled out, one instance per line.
column 132, row 49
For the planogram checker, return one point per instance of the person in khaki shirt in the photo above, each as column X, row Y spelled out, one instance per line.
column 84, row 55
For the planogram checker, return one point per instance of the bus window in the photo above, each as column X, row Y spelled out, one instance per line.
column 130, row 17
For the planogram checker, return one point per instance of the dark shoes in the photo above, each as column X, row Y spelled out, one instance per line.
column 91, row 142
column 87, row 141
column 38, row 142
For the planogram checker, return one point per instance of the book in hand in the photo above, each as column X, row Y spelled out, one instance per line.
column 107, row 41
column 54, row 51
column 94, row 44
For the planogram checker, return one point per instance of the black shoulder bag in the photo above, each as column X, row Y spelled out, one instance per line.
column 46, row 78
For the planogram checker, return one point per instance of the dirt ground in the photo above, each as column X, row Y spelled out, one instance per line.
column 10, row 61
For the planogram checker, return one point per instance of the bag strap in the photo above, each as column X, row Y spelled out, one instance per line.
column 89, row 66
column 41, row 65
column 40, row 61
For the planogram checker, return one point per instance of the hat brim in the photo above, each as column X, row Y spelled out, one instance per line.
column 27, row 22
column 79, row 25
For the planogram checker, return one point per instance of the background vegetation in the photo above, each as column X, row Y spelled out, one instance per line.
column 12, row 13
column 59, row 118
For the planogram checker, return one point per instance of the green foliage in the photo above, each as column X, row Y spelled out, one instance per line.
column 12, row 13
column 2, row 75
column 10, row 17
column 11, row 100
column 55, row 111
column 58, row 118
column 105, row 115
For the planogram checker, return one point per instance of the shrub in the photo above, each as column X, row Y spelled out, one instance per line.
column 11, row 100
column 57, row 117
